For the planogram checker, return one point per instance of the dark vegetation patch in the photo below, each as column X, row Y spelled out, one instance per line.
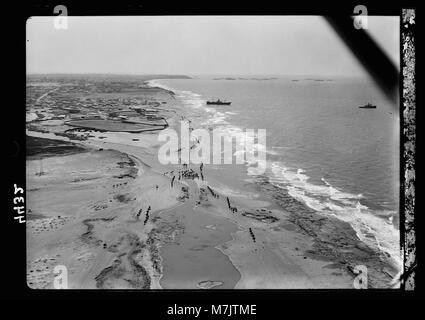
column 41, row 147
column 123, row 198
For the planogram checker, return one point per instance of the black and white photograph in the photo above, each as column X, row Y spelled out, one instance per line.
column 209, row 152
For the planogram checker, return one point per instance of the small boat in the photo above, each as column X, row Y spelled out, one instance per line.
column 219, row 102
column 368, row 106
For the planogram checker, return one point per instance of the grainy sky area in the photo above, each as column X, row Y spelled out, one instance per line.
column 219, row 45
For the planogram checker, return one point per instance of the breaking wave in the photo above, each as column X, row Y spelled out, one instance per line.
column 373, row 227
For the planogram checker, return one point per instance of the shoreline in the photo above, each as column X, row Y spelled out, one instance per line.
column 141, row 154
column 354, row 250
column 287, row 251
column 375, row 223
column 222, row 247
column 140, row 162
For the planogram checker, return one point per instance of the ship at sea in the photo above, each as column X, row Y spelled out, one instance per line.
column 219, row 102
column 368, row 106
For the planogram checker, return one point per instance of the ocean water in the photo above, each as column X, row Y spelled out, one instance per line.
column 321, row 148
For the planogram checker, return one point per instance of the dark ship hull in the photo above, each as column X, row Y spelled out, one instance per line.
column 368, row 106
column 219, row 103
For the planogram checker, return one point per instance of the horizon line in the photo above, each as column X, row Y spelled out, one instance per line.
column 189, row 74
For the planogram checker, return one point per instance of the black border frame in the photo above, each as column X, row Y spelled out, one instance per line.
column 15, row 283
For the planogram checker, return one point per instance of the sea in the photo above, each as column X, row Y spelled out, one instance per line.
column 321, row 148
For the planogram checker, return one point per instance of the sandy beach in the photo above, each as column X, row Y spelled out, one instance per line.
column 185, row 244
column 109, row 211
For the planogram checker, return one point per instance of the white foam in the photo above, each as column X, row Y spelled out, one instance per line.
column 225, row 190
column 378, row 233
column 156, row 83
column 326, row 199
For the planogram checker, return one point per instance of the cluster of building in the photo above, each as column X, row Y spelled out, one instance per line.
column 78, row 101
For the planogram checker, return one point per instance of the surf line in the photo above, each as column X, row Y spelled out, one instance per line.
column 250, row 147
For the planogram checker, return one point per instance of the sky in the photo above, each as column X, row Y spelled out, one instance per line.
column 196, row 45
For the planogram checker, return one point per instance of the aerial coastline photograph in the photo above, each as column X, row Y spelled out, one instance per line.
column 129, row 184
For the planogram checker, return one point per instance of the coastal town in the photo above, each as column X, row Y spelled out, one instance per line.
column 69, row 107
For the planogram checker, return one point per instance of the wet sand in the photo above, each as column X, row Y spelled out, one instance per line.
column 182, row 231
column 188, row 243
column 194, row 259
